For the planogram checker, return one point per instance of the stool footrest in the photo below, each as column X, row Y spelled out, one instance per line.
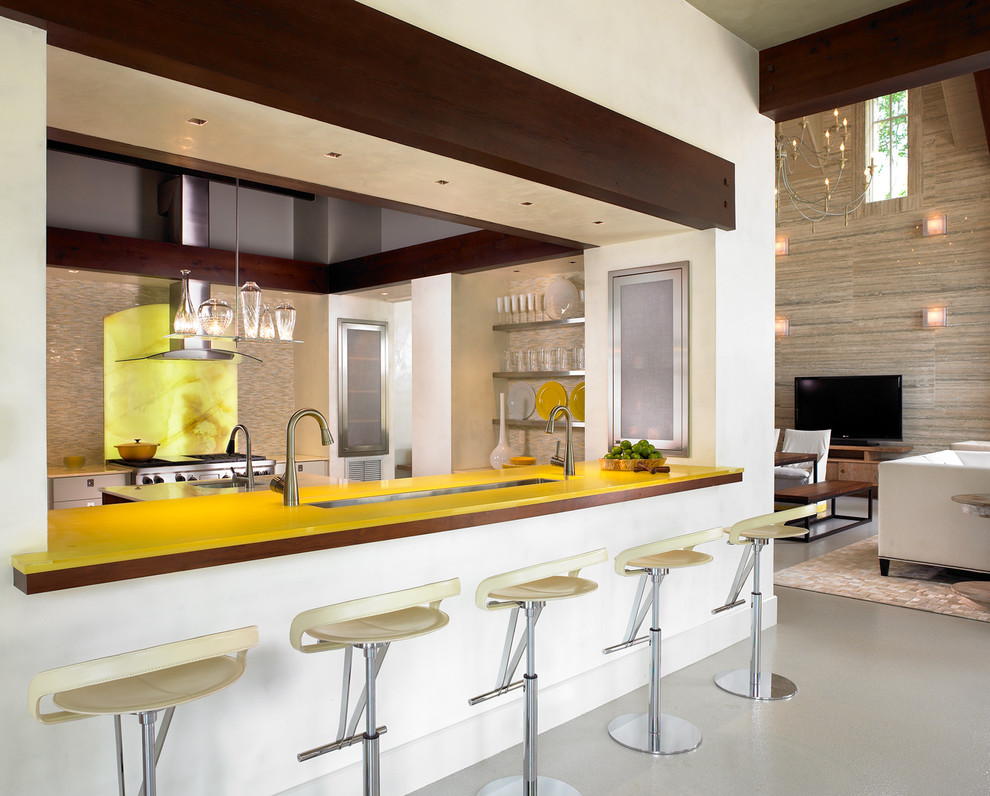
column 496, row 692
column 343, row 743
column 623, row 645
column 727, row 606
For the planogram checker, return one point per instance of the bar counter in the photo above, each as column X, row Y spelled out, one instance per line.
column 119, row 542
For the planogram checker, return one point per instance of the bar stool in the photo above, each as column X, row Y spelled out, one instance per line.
column 754, row 683
column 369, row 624
column 144, row 682
column 530, row 588
column 655, row 732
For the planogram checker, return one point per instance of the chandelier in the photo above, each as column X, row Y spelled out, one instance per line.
column 831, row 160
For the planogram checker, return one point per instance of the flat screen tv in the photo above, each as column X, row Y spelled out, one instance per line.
column 860, row 410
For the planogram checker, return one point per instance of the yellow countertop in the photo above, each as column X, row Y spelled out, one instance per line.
column 117, row 542
column 187, row 489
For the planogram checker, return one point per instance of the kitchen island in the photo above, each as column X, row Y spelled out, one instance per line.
column 120, row 542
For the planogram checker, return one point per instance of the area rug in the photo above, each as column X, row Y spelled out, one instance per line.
column 852, row 571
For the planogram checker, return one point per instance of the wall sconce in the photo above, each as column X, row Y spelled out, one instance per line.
column 781, row 246
column 781, row 327
column 934, row 316
column 933, row 225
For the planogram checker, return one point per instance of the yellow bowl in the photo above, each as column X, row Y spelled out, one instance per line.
column 74, row 462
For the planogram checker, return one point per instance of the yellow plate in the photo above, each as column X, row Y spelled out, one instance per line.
column 548, row 396
column 577, row 402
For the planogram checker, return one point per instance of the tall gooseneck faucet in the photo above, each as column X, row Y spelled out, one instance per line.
column 288, row 485
column 568, row 447
column 248, row 477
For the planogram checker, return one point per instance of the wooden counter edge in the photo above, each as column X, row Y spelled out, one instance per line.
column 110, row 572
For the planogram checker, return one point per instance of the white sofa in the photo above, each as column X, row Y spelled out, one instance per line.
column 919, row 522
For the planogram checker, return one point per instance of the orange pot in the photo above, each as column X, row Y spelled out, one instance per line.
column 137, row 451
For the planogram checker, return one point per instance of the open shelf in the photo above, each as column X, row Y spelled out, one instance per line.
column 536, row 374
column 521, row 327
column 534, row 423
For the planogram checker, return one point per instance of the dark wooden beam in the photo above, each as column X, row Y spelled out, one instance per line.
column 91, row 251
column 341, row 62
column 155, row 159
column 982, row 80
column 475, row 251
column 461, row 254
column 906, row 46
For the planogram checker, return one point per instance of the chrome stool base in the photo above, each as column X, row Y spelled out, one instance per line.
column 768, row 686
column 631, row 730
column 513, row 786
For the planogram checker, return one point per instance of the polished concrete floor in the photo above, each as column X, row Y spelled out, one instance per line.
column 890, row 701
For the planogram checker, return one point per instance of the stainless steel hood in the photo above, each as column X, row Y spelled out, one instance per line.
column 185, row 202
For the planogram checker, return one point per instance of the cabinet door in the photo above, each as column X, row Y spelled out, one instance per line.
column 362, row 378
column 648, row 374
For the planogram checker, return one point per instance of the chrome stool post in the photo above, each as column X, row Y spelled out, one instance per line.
column 654, row 732
column 528, row 590
column 754, row 682
column 369, row 624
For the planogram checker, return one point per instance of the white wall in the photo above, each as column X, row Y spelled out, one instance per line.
column 662, row 62
column 474, row 357
column 432, row 358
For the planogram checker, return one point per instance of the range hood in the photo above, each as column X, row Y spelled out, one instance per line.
column 185, row 202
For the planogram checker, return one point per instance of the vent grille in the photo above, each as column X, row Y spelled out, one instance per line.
column 364, row 469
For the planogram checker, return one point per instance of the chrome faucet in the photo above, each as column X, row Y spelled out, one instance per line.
column 568, row 446
column 248, row 477
column 287, row 485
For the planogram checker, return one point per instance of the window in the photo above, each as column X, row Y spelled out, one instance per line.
column 887, row 144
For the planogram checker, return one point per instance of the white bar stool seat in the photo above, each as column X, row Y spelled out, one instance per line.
column 655, row 732
column 144, row 682
column 530, row 589
column 755, row 532
column 369, row 624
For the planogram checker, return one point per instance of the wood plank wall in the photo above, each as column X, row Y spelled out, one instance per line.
column 854, row 293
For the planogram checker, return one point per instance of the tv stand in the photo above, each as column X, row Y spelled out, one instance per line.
column 859, row 462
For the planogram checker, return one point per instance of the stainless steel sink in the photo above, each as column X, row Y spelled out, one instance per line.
column 225, row 484
column 455, row 490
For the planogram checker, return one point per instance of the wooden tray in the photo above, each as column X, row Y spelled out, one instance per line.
column 632, row 465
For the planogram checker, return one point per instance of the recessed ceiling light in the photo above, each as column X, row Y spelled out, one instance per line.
column 333, row 155
column 443, row 182
column 196, row 122
column 71, row 271
column 384, row 292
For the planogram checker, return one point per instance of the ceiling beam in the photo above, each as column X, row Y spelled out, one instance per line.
column 344, row 63
column 474, row 251
column 461, row 254
column 906, row 46
column 92, row 251
column 982, row 79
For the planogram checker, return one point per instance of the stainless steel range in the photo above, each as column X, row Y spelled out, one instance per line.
column 203, row 467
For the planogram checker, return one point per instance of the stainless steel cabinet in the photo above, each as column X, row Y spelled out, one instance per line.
column 362, row 382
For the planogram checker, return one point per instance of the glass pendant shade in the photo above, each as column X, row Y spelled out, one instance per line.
column 185, row 321
column 285, row 317
column 251, row 308
column 215, row 316
column 266, row 330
